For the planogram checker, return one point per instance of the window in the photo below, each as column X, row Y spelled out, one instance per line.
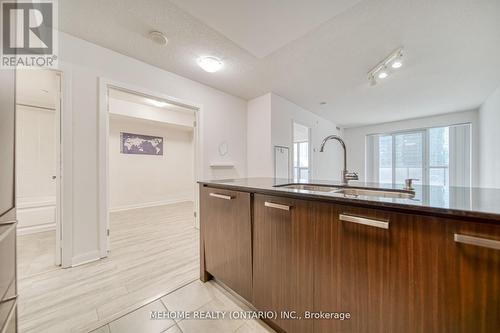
column 435, row 156
column 439, row 158
column 301, row 167
column 301, row 160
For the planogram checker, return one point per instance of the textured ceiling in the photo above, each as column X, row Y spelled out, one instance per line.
column 452, row 48
column 263, row 26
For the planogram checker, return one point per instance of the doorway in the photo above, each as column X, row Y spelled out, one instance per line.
column 38, row 128
column 301, row 152
column 151, row 161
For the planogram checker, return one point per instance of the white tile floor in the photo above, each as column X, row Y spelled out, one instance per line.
column 196, row 296
column 154, row 251
column 36, row 254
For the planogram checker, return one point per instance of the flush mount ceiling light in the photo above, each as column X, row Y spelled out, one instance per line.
column 386, row 67
column 210, row 64
column 155, row 102
column 158, row 37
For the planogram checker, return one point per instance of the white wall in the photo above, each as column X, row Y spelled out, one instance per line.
column 355, row 137
column 222, row 119
column 270, row 123
column 489, row 156
column 326, row 165
column 35, row 166
column 259, row 146
column 145, row 180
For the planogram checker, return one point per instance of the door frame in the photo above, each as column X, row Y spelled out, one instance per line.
column 59, row 166
column 103, row 150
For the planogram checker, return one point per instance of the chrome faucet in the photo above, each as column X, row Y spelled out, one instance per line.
column 346, row 175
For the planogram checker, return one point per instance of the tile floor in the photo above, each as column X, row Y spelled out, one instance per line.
column 196, row 296
column 36, row 254
column 153, row 252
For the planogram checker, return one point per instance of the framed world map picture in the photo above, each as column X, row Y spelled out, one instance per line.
column 140, row 144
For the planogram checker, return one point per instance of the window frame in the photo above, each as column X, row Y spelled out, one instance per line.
column 426, row 167
column 310, row 161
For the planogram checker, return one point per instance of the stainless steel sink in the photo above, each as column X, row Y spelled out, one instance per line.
column 309, row 187
column 376, row 193
column 352, row 191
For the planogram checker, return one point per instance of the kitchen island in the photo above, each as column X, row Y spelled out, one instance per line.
column 355, row 259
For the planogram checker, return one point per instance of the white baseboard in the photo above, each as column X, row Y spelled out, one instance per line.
column 34, row 229
column 36, row 214
column 85, row 258
column 35, row 202
column 151, row 204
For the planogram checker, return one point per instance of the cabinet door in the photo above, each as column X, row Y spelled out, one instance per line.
column 399, row 272
column 361, row 266
column 473, row 277
column 327, row 295
column 283, row 262
column 226, row 252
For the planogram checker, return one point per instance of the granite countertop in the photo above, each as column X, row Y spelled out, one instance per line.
column 477, row 203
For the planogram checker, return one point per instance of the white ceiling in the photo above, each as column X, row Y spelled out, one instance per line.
column 452, row 48
column 262, row 26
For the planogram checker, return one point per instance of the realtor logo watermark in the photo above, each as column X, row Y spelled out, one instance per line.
column 29, row 33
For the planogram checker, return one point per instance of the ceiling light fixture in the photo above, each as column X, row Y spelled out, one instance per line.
column 157, row 103
column 158, row 37
column 383, row 69
column 382, row 75
column 210, row 64
column 397, row 64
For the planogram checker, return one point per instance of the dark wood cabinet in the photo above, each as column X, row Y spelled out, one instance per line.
column 282, row 260
column 391, row 271
column 396, row 272
column 472, row 277
column 226, row 232
column 387, row 265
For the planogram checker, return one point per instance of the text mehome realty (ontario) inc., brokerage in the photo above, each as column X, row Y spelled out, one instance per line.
column 247, row 315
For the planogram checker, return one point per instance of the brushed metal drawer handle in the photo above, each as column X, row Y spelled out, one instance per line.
column 275, row 205
column 477, row 241
column 364, row 221
column 221, row 196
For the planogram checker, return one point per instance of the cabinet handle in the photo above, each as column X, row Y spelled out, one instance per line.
column 221, row 196
column 364, row 221
column 275, row 205
column 483, row 242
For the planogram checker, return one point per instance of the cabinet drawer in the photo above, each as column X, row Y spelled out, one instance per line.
column 7, row 257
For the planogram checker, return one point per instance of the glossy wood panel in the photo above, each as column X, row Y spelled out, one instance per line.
column 283, row 262
column 326, row 256
column 227, row 237
column 412, row 277
column 472, row 279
